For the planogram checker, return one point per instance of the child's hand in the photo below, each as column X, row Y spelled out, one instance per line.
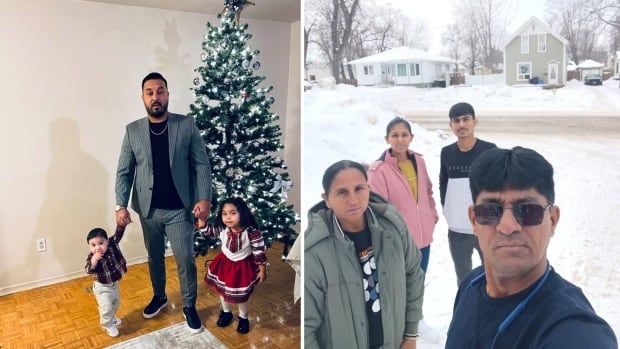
column 201, row 223
column 262, row 274
column 95, row 258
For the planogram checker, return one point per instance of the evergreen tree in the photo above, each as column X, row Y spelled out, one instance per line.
column 240, row 133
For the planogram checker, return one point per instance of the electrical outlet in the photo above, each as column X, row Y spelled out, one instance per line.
column 41, row 245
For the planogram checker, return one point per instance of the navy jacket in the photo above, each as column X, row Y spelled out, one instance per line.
column 557, row 316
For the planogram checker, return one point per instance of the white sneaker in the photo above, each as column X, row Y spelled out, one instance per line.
column 117, row 321
column 112, row 331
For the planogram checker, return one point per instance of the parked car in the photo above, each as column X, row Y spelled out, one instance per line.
column 593, row 79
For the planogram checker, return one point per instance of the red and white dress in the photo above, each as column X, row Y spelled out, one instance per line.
column 233, row 273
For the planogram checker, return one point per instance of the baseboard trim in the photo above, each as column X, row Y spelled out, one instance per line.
column 62, row 278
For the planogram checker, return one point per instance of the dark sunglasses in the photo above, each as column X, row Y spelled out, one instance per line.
column 525, row 214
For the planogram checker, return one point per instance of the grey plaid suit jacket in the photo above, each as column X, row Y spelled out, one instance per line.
column 189, row 164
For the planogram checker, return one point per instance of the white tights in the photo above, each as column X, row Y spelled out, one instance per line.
column 243, row 308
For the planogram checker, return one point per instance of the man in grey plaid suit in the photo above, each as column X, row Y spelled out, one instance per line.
column 163, row 158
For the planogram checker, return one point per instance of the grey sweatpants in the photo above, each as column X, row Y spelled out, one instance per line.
column 462, row 248
column 108, row 299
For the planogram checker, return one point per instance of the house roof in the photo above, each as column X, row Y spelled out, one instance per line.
column 589, row 64
column 402, row 53
column 542, row 24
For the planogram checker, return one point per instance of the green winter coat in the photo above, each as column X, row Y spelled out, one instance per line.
column 334, row 306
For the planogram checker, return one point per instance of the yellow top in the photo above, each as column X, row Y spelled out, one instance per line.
column 408, row 171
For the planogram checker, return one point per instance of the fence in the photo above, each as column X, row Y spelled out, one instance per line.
column 489, row 79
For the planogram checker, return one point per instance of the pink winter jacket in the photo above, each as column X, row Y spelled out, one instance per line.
column 385, row 179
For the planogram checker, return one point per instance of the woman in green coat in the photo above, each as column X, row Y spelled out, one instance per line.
column 362, row 277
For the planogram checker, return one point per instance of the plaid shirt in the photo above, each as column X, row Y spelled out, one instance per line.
column 112, row 265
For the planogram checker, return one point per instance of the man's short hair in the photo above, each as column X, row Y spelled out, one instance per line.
column 154, row 76
column 517, row 168
column 460, row 109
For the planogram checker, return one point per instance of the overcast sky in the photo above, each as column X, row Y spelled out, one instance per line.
column 438, row 14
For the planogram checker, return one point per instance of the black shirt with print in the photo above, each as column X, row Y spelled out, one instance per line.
column 363, row 248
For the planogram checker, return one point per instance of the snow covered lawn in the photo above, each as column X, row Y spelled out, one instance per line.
column 349, row 123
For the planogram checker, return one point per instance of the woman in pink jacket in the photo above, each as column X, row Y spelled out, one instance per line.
column 400, row 176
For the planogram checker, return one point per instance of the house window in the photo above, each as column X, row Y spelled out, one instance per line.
column 525, row 44
column 542, row 42
column 401, row 69
column 415, row 69
column 524, row 70
column 368, row 70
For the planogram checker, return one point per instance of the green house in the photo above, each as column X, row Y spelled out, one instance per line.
column 535, row 54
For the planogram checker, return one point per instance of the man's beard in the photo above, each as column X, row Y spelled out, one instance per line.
column 163, row 108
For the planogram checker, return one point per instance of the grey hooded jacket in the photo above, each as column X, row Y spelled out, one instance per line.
column 334, row 306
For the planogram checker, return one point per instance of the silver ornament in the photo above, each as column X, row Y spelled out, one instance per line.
column 256, row 65
column 196, row 81
column 245, row 64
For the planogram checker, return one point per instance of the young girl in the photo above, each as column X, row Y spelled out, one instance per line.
column 240, row 266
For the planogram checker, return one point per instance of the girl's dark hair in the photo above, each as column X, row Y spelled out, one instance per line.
column 246, row 219
column 517, row 168
column 96, row 233
column 397, row 120
column 335, row 168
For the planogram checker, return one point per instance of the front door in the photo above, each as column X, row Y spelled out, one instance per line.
column 387, row 71
column 553, row 73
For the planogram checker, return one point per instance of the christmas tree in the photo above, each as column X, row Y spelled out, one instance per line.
column 240, row 133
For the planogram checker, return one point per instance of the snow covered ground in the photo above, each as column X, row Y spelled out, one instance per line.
column 345, row 122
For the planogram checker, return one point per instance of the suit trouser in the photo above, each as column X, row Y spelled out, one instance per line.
column 176, row 224
column 462, row 248
column 108, row 299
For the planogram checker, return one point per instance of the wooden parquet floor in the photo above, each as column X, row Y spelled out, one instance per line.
column 65, row 315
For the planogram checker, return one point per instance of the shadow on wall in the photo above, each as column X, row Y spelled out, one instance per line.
column 170, row 61
column 75, row 202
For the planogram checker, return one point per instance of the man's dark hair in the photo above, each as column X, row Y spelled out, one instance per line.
column 154, row 76
column 517, row 168
column 460, row 109
column 96, row 233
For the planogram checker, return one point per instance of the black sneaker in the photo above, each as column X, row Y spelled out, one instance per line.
column 244, row 325
column 225, row 318
column 193, row 321
column 154, row 307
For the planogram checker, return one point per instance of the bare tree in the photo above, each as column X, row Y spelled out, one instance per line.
column 608, row 11
column 578, row 24
column 453, row 42
column 486, row 22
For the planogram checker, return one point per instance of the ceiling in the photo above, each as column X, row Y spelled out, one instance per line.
column 269, row 10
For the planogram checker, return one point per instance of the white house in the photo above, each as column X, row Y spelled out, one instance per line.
column 401, row 66
column 535, row 51
column 615, row 62
column 589, row 66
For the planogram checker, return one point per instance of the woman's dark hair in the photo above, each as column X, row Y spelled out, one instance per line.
column 335, row 168
column 517, row 168
column 96, row 233
column 397, row 120
column 246, row 219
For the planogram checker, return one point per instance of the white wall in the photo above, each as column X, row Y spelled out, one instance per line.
column 292, row 139
column 71, row 73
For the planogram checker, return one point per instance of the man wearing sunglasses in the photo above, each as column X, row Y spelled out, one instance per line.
column 456, row 159
column 516, row 299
